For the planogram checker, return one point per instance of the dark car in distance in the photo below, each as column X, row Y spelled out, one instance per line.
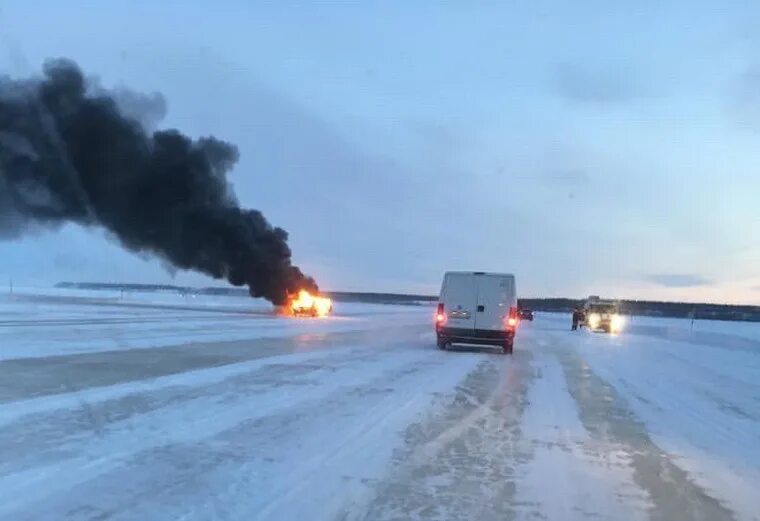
column 526, row 314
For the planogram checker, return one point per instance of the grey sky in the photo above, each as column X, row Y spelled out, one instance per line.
column 678, row 280
column 584, row 147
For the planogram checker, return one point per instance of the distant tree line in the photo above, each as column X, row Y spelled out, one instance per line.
column 702, row 311
column 340, row 296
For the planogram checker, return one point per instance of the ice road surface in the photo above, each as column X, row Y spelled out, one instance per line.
column 160, row 406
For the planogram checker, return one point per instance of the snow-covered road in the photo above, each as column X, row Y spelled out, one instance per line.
column 204, row 411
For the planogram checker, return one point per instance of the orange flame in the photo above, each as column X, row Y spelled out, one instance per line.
column 310, row 305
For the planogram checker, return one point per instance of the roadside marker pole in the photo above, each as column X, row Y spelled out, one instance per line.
column 693, row 315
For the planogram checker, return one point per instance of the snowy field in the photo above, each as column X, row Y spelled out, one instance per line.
column 35, row 322
column 150, row 406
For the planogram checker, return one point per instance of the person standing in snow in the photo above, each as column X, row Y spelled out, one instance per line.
column 576, row 319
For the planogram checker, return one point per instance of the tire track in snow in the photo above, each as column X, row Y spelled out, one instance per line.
column 709, row 443
column 570, row 476
column 29, row 377
column 608, row 418
column 296, row 459
column 459, row 462
column 59, row 434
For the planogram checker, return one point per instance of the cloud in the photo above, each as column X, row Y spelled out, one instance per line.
column 677, row 280
column 588, row 84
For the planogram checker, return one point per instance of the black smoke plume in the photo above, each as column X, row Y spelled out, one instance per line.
column 69, row 153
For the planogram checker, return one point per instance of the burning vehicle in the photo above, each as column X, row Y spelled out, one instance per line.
column 304, row 304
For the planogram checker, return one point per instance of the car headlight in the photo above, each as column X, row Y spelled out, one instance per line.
column 617, row 322
column 594, row 319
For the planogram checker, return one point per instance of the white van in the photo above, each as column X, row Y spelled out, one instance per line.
column 477, row 308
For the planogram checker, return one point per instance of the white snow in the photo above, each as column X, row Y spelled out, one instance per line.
column 341, row 402
column 699, row 400
column 80, row 321
column 567, row 462
column 202, row 377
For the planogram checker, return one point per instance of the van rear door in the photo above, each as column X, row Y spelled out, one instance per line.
column 496, row 293
column 459, row 298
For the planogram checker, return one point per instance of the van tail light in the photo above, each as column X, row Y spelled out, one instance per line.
column 440, row 316
column 512, row 318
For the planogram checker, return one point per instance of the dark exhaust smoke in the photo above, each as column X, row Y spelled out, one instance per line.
column 69, row 153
